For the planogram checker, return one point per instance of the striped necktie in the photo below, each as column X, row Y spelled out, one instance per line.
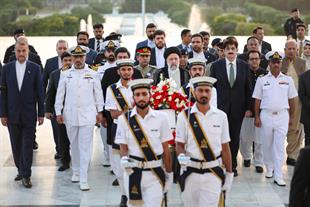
column 98, row 46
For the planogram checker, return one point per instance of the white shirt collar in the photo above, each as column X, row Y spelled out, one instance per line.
column 194, row 109
column 134, row 112
column 234, row 62
column 280, row 75
column 119, row 84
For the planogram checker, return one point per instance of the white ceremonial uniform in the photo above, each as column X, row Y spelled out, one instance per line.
column 213, row 100
column 79, row 96
column 203, row 189
column 112, row 104
column 249, row 133
column 274, row 93
column 157, row 131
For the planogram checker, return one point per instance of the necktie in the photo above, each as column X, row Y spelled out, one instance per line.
column 98, row 46
column 231, row 75
column 300, row 49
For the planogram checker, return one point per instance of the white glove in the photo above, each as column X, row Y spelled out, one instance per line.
column 169, row 181
column 127, row 163
column 183, row 160
column 228, row 181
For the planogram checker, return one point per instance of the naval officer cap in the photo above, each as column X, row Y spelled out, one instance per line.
column 274, row 55
column 124, row 62
column 140, row 83
column 78, row 50
column 110, row 44
column 202, row 81
column 196, row 61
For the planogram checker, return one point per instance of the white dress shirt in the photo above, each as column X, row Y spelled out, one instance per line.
column 200, row 55
column 228, row 68
column 20, row 72
column 59, row 62
column 176, row 76
column 150, row 43
column 160, row 60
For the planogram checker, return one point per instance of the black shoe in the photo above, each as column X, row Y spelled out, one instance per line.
column 35, row 145
column 57, row 156
column 115, row 183
column 123, row 201
column 235, row 172
column 259, row 169
column 18, row 177
column 63, row 168
column 247, row 163
column 290, row 161
column 27, row 182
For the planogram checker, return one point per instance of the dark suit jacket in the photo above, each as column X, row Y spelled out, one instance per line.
column 299, row 65
column 184, row 76
column 153, row 58
column 91, row 43
column 304, row 95
column 32, row 57
column 52, row 90
column 21, row 106
column 300, row 184
column 209, row 57
column 10, row 51
column 266, row 47
column 50, row 65
column 263, row 61
column 236, row 100
column 90, row 56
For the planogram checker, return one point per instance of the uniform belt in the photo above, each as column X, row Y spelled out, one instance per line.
column 274, row 112
column 203, row 164
column 145, row 165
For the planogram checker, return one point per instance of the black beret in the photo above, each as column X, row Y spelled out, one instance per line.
column 216, row 41
column 19, row 31
column 184, row 52
column 171, row 50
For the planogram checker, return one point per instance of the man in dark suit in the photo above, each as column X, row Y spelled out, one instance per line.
column 291, row 23
column 300, row 184
column 82, row 38
column 149, row 42
column 233, row 92
column 63, row 142
column 186, row 40
column 253, row 45
column 172, row 56
column 264, row 47
column 10, row 50
column 157, row 53
column 198, row 52
column 21, row 95
column 304, row 96
column 94, row 43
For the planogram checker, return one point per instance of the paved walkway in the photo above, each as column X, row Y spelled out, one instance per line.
column 53, row 188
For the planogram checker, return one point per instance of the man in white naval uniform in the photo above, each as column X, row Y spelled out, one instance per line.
column 274, row 96
column 79, row 104
column 202, row 146
column 143, row 135
column 118, row 101
column 197, row 67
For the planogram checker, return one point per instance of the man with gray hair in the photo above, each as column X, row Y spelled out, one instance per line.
column 293, row 66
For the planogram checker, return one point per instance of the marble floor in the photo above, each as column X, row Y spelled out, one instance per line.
column 53, row 188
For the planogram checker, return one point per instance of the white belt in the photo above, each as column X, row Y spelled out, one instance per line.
column 274, row 112
column 204, row 165
column 148, row 164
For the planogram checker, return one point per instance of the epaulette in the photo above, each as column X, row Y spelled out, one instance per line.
column 94, row 67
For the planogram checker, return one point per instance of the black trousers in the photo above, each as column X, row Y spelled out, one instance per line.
column 234, row 132
column 64, row 145
column 56, row 133
column 307, row 134
column 22, row 139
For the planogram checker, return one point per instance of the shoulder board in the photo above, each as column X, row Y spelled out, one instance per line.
column 94, row 67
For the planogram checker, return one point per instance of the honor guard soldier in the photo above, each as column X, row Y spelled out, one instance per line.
column 143, row 135
column 197, row 69
column 274, row 105
column 202, row 145
column 118, row 101
column 79, row 104
column 143, row 57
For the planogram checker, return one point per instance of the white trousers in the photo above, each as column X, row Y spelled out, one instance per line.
column 106, row 156
column 81, row 146
column 117, row 169
column 249, row 134
column 274, row 130
column 202, row 190
column 152, row 190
